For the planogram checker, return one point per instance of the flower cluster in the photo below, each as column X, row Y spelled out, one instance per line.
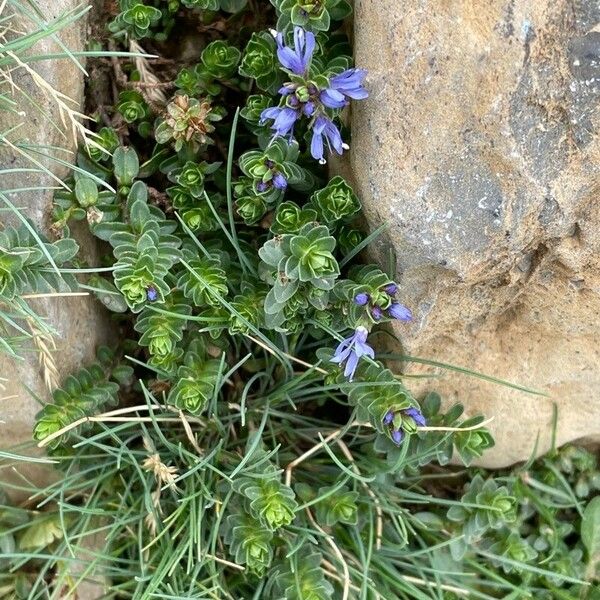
column 404, row 421
column 351, row 350
column 383, row 303
column 316, row 98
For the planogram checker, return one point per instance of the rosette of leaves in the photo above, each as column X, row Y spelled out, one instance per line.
column 370, row 280
column 338, row 505
column 440, row 446
column 108, row 140
column 279, row 159
column 203, row 282
column 269, row 501
column 349, row 239
column 259, row 62
column 191, row 176
column 161, row 331
column 87, row 392
column 484, row 506
column 312, row 15
column 188, row 121
column 196, row 81
column 303, row 578
column 290, row 218
column 374, row 401
column 135, row 19
column 255, row 104
column 251, row 208
column 299, row 262
column 196, row 382
column 249, row 542
column 248, row 312
column 578, row 465
column 132, row 106
column 195, row 212
column 220, row 59
column 510, row 545
column 144, row 249
column 335, row 202
column 30, row 265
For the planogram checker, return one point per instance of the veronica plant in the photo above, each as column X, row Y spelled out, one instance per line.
column 260, row 447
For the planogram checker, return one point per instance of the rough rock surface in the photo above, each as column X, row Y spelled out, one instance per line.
column 479, row 147
column 80, row 322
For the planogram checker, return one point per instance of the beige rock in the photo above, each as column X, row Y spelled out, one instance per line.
column 79, row 322
column 478, row 147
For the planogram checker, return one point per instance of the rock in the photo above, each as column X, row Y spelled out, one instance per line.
column 80, row 322
column 478, row 147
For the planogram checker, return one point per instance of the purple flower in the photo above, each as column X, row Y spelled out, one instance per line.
column 262, row 186
column 397, row 436
column 287, row 89
column 390, row 289
column 400, row 312
column 151, row 294
column 332, row 98
column 351, row 350
column 349, row 83
column 416, row 415
column 361, row 299
column 389, row 417
column 279, row 181
column 297, row 60
column 323, row 126
column 396, row 422
column 309, row 109
column 376, row 313
column 283, row 117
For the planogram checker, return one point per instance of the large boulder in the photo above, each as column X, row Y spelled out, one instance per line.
column 478, row 147
column 79, row 322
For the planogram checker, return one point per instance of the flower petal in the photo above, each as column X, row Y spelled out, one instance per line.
column 334, row 137
column 316, row 145
column 332, row 98
column 284, row 122
column 351, row 366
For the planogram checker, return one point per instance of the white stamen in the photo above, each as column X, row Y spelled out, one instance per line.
column 322, row 161
column 345, row 146
column 273, row 32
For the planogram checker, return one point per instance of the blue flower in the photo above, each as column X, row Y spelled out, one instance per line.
column 390, row 289
column 376, row 313
column 361, row 299
column 323, row 126
column 396, row 421
column 400, row 312
column 349, row 83
column 279, row 181
column 389, row 417
column 332, row 98
column 297, row 60
column 283, row 117
column 351, row 350
column 416, row 415
column 151, row 294
column 397, row 436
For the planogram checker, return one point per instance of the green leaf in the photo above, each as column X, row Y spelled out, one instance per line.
column 590, row 528
column 126, row 165
column 86, row 192
column 41, row 533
